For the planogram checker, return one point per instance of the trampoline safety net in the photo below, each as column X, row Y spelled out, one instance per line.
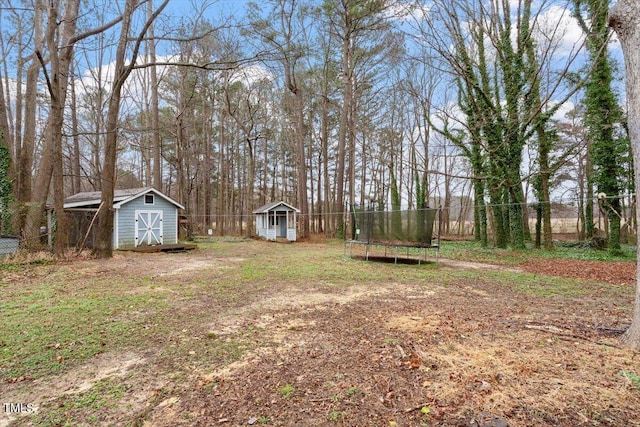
column 402, row 228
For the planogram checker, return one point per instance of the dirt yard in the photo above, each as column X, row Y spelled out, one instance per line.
column 253, row 333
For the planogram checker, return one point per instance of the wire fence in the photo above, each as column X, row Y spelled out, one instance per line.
column 9, row 245
column 455, row 222
column 568, row 221
column 409, row 227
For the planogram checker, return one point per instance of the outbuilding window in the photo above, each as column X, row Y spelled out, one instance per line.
column 149, row 199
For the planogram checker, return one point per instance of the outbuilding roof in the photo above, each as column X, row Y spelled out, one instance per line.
column 271, row 206
column 120, row 197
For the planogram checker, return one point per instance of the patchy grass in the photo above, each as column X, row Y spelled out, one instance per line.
column 542, row 286
column 50, row 328
column 551, row 287
column 287, row 391
column 224, row 331
column 632, row 378
column 83, row 408
column 22, row 259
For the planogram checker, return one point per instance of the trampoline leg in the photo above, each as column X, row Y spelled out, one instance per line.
column 396, row 259
column 366, row 251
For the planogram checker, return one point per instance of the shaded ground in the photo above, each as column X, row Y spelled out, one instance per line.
column 316, row 339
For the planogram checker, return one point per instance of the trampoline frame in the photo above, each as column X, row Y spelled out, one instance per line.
column 398, row 246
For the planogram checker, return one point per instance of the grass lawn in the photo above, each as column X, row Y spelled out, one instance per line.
column 243, row 332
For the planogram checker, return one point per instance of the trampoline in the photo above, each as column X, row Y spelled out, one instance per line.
column 398, row 235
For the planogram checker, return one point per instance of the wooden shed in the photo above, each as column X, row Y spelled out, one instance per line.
column 142, row 217
column 276, row 220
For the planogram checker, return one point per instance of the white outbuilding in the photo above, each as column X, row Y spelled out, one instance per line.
column 276, row 220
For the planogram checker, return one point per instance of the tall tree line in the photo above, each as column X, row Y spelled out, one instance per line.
column 513, row 75
column 328, row 105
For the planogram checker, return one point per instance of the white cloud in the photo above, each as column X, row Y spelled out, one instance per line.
column 556, row 28
column 251, row 74
column 563, row 113
column 402, row 10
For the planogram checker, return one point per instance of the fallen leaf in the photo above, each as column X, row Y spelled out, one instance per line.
column 415, row 362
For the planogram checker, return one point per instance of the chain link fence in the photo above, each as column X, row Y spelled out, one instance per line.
column 8, row 242
column 11, row 240
column 8, row 245
column 567, row 222
column 454, row 221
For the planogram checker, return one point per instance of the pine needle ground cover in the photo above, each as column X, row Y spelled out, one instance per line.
column 256, row 333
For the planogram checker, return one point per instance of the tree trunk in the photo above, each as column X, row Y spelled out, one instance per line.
column 480, row 212
column 60, row 49
column 76, row 182
column 155, row 114
column 5, row 112
column 301, row 163
column 343, row 131
column 221, row 187
column 251, row 173
column 624, row 18
column 4, row 123
column 25, row 143
column 351, row 151
column 104, row 238
column 328, row 214
column 546, row 211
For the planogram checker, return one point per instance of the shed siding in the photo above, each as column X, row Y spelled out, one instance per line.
column 127, row 216
column 271, row 232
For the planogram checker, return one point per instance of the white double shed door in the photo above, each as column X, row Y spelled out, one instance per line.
column 148, row 227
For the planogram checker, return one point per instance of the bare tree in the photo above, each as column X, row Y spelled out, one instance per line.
column 624, row 18
column 283, row 32
column 54, row 56
column 243, row 106
column 76, row 182
column 5, row 130
column 23, row 143
column 323, row 87
column 59, row 45
column 155, row 114
column 358, row 25
column 500, row 53
column 104, row 240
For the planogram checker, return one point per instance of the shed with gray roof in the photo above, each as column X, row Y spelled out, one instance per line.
column 142, row 217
